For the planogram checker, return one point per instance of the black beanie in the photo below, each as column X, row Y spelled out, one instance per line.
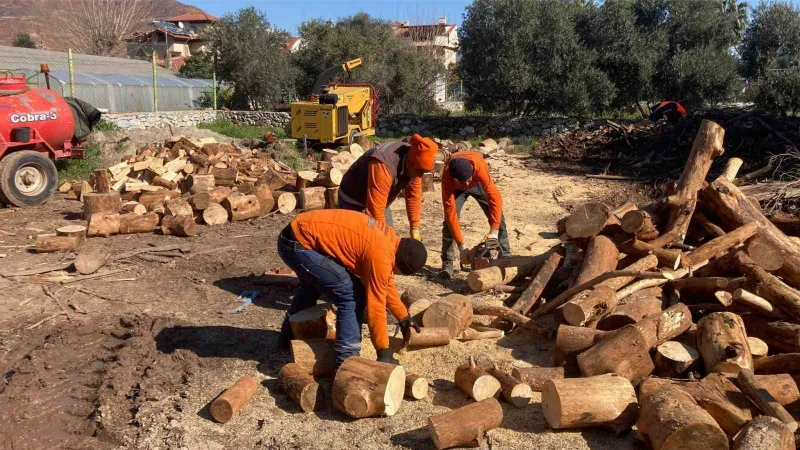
column 460, row 169
column 411, row 256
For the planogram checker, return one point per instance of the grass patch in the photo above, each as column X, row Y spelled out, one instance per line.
column 241, row 131
column 106, row 126
column 79, row 169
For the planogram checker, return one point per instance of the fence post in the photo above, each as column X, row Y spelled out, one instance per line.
column 155, row 85
column 71, row 74
column 214, row 88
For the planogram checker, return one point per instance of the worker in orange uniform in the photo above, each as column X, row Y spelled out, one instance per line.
column 349, row 258
column 672, row 110
column 467, row 175
column 375, row 180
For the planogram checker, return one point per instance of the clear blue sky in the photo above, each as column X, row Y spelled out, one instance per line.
column 288, row 14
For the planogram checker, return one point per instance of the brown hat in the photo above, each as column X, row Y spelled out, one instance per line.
column 423, row 152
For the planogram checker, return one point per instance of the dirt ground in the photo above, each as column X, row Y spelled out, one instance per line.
column 141, row 354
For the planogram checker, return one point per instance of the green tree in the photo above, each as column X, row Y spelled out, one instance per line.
column 403, row 75
column 777, row 90
column 772, row 41
column 252, row 58
column 24, row 40
column 525, row 57
column 737, row 10
column 199, row 65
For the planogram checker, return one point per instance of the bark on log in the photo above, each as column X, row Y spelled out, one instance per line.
column 232, row 400
column 132, row 207
column 587, row 221
column 429, row 337
column 480, row 333
column 665, row 326
column 670, row 258
column 732, row 169
column 765, row 432
column 787, row 224
column 103, row 225
column 178, row 226
column 331, row 178
column 317, row 322
column 316, row 356
column 720, row 245
column 218, row 194
column 570, row 342
column 759, row 304
column 465, row 426
column 72, row 230
column 427, row 182
column 783, row 387
column 764, row 253
column 166, row 184
column 756, row 392
column 101, row 203
column 707, row 146
column 52, row 243
column 416, row 387
column 780, row 336
column 603, row 400
column 178, row 207
column 332, row 198
column 625, row 353
column 532, row 293
column 150, row 199
column 758, row 348
column 364, row 388
column 300, row 386
column 632, row 309
column 484, row 279
column 215, row 214
column 100, row 181
column 306, row 179
column 595, row 306
column 537, row 377
column 273, row 179
column 132, row 223
column 200, row 201
column 225, row 177
column 641, row 224
column 201, row 183
column 673, row 359
column 722, row 342
column 476, row 382
column 241, row 207
column 286, row 203
column 312, row 198
column 778, row 364
column 453, row 312
column 672, row 420
column 265, row 200
column 90, row 258
column 506, row 314
column 770, row 287
column 514, row 391
column 706, row 224
column 601, row 257
column 199, row 159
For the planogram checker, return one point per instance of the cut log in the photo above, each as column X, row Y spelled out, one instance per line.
column 218, row 194
column 532, row 293
column 225, row 177
column 601, row 257
column 149, row 199
column 286, row 203
column 670, row 258
column 780, row 336
column 476, row 382
column 166, row 184
column 732, row 169
column 453, row 312
column 101, row 203
column 300, row 386
column 429, row 337
column 200, row 201
column 570, row 342
column 331, row 178
column 90, row 258
column 722, row 342
column 778, row 364
column 682, row 203
column 782, row 387
column 514, row 390
column 756, row 392
column 641, row 224
column 133, row 207
column 306, row 179
column 465, row 426
column 265, row 200
column 232, row 400
column 53, row 243
column 759, row 304
column 201, row 183
column 787, row 224
column 215, row 214
column 507, row 315
column 317, row 322
column 332, row 198
column 417, row 310
column 720, row 245
column 132, row 223
column 312, row 198
column 481, row 280
column 100, row 181
column 416, row 387
column 764, row 253
column 364, row 388
column 413, row 295
column 178, row 226
column 625, row 353
column 672, row 420
column 673, row 359
column 273, row 179
column 103, row 225
column 316, row 356
column 72, row 230
column 199, row 159
column 595, row 306
column 178, row 207
column 758, row 348
column 537, row 377
column 710, row 284
column 598, row 401
column 587, row 221
column 665, row 326
column 328, row 154
column 765, row 432
column 241, row 207
column 427, row 182
column 706, row 224
column 770, row 287
column 324, row 166
column 472, row 334
column 632, row 309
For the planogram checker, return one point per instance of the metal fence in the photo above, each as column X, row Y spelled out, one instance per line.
column 112, row 84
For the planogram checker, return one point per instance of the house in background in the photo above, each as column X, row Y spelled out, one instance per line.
column 293, row 44
column 172, row 40
column 440, row 41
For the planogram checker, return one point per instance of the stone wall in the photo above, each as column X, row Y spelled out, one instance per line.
column 263, row 118
column 469, row 126
column 187, row 119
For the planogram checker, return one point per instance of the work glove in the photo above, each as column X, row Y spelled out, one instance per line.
column 463, row 255
column 406, row 325
column 386, row 355
column 493, row 234
column 415, row 234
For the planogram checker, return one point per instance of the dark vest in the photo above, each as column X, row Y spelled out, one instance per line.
column 393, row 155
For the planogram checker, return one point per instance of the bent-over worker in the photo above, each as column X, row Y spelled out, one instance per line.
column 350, row 258
column 375, row 180
column 672, row 110
column 467, row 175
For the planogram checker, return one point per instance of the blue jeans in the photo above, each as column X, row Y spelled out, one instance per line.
column 321, row 275
column 387, row 214
column 449, row 253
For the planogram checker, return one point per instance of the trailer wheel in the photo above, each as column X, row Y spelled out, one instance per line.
column 27, row 178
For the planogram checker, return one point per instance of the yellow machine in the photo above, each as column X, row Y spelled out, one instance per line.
column 336, row 112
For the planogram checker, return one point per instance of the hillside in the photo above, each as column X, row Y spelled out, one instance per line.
column 30, row 16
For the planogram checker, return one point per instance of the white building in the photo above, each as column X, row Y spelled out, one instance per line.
column 439, row 41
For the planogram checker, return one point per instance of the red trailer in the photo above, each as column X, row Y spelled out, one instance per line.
column 37, row 126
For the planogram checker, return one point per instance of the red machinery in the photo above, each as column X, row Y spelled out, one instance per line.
column 36, row 127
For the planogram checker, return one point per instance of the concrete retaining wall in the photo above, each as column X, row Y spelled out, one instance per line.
column 185, row 119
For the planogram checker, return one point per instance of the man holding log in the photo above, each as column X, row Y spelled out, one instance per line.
column 467, row 175
column 350, row 258
column 376, row 179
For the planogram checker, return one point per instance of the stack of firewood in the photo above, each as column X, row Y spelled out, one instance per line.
column 681, row 317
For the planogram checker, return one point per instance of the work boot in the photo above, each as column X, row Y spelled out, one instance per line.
column 448, row 271
column 285, row 336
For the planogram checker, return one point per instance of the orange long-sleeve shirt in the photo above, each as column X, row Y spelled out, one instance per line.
column 367, row 248
column 379, row 183
column 480, row 175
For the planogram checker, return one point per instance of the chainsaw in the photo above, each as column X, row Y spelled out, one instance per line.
column 482, row 255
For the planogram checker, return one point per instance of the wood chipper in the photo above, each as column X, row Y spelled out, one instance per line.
column 37, row 126
column 336, row 112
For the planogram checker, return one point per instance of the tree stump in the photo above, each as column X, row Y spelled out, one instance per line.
column 427, row 182
column 300, row 386
column 673, row 421
column 101, row 203
column 465, row 426
column 316, row 356
column 722, row 342
column 242, row 207
column 232, row 400
column 364, row 388
column 317, row 322
column 603, row 400
column 476, row 382
column 453, row 312
column 102, row 224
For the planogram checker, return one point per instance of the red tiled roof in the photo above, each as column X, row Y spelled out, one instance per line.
column 291, row 42
column 194, row 17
